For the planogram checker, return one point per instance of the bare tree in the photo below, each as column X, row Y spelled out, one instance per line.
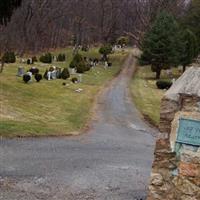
column 43, row 24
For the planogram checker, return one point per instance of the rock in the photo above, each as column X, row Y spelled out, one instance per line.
column 189, row 148
column 190, row 156
column 184, row 95
column 185, row 186
column 186, row 197
column 153, row 195
column 156, row 179
column 189, row 169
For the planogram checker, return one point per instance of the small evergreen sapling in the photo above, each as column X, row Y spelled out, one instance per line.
column 161, row 45
column 26, row 78
column 65, row 74
column 38, row 77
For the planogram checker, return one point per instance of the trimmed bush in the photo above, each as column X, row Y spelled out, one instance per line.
column 163, row 84
column 79, row 63
column 105, row 51
column 109, row 64
column 26, row 78
column 34, row 71
column 38, row 77
column 65, row 74
column 61, row 58
column 72, row 65
column 45, row 74
column 81, row 68
column 123, row 41
column 9, row 57
column 29, row 62
column 74, row 80
column 47, row 58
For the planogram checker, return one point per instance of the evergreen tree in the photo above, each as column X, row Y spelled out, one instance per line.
column 192, row 20
column 105, row 50
column 189, row 48
column 161, row 44
column 65, row 74
column 79, row 64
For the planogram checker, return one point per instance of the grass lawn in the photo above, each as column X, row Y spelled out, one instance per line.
column 48, row 107
column 147, row 97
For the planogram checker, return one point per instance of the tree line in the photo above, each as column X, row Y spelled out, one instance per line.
column 39, row 25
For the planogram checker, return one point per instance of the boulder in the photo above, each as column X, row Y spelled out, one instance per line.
column 183, row 95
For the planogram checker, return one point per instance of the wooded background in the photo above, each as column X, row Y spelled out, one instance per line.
column 43, row 24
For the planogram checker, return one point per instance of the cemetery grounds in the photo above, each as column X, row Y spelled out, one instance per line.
column 49, row 108
column 147, row 97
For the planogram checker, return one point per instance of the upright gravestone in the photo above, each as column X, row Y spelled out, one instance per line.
column 80, row 78
column 20, row 71
column 73, row 71
column 53, row 74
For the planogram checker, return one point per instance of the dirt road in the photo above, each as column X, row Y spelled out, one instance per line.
column 110, row 162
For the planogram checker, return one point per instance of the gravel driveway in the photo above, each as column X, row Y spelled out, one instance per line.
column 111, row 162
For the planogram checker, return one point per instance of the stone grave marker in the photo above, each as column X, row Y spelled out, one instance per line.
column 20, row 71
column 80, row 78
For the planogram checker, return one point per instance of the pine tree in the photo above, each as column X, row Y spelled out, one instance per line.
column 161, row 44
column 192, row 20
column 189, row 48
column 65, row 74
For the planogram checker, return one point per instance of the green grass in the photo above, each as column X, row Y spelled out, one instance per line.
column 48, row 107
column 147, row 97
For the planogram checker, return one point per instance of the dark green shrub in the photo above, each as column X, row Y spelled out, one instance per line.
column 109, row 64
column 9, row 57
column 163, row 84
column 26, row 78
column 45, row 74
column 78, row 58
column 72, row 65
column 47, row 58
column 58, row 73
column 61, row 58
column 34, row 71
column 81, row 67
column 105, row 51
column 65, row 74
column 29, row 62
column 79, row 63
column 74, row 80
column 38, row 77
column 123, row 41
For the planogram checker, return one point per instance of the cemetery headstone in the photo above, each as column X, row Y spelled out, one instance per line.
column 48, row 75
column 80, row 78
column 20, row 71
column 58, row 73
column 106, row 65
column 73, row 71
